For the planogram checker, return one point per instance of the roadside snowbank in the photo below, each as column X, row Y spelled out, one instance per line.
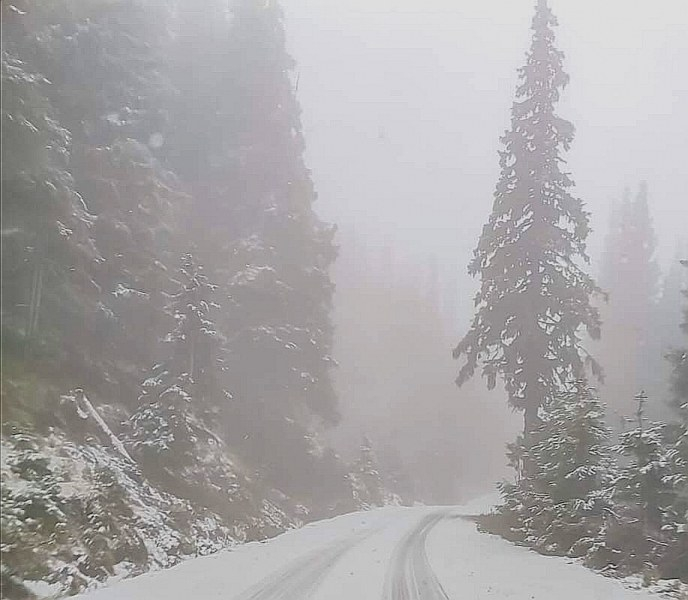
column 481, row 566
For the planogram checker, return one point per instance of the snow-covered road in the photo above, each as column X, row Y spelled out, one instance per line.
column 409, row 574
column 388, row 554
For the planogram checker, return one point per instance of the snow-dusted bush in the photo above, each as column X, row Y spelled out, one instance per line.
column 649, row 524
column 570, row 497
column 559, row 499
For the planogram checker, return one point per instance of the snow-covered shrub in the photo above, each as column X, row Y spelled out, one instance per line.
column 571, row 498
column 74, row 514
column 649, row 514
column 368, row 484
column 559, row 500
column 33, row 511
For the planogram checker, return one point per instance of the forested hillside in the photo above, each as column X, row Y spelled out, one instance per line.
column 166, row 333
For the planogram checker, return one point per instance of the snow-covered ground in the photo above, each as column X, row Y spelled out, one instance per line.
column 478, row 566
column 395, row 553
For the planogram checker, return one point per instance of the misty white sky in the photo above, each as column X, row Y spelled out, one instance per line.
column 404, row 102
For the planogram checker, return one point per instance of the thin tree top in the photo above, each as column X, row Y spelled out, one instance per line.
column 531, row 197
column 545, row 84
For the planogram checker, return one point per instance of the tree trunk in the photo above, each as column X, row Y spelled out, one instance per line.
column 530, row 424
column 192, row 357
column 530, row 419
column 35, row 299
column 39, row 296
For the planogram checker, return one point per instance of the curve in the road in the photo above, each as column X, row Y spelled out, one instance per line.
column 299, row 579
column 410, row 576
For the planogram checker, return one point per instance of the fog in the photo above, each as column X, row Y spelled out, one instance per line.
column 403, row 107
column 236, row 241
column 412, row 97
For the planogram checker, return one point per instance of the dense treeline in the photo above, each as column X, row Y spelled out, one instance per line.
column 162, row 260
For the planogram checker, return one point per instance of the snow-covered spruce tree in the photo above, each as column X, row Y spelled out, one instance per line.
column 630, row 248
column 105, row 185
column 276, row 278
column 162, row 433
column 258, row 235
column 135, row 204
column 630, row 348
column 367, row 483
column 281, row 290
column 676, row 288
column 195, row 341
column 534, row 297
column 47, row 244
column 644, row 493
column 183, row 390
column 676, row 558
column 175, row 434
column 558, row 503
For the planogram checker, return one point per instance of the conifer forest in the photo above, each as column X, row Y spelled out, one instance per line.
column 344, row 300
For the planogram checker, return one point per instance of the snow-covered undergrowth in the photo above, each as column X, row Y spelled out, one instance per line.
column 77, row 512
column 95, row 493
column 621, row 509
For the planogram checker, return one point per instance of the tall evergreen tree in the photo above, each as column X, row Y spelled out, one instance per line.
column 238, row 146
column 192, row 360
column 47, row 242
column 105, row 95
column 176, row 422
column 534, row 297
column 277, row 279
column 136, row 205
column 630, row 247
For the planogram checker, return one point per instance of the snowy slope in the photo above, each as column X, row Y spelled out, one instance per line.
column 390, row 554
column 229, row 574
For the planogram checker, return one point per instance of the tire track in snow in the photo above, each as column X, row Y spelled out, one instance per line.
column 410, row 576
column 299, row 579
